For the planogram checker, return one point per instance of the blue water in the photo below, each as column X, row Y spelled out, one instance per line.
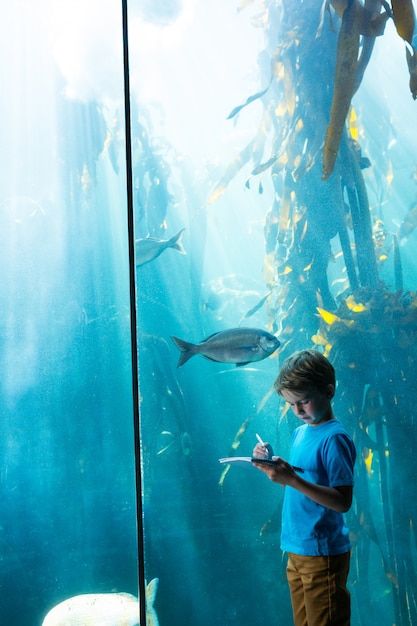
column 68, row 494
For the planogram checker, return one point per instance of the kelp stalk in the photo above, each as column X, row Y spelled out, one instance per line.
column 344, row 85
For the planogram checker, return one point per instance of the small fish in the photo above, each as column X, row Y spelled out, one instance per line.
column 97, row 609
column 237, row 345
column 237, row 109
column 149, row 248
column 257, row 306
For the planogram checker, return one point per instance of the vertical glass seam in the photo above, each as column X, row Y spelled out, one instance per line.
column 133, row 316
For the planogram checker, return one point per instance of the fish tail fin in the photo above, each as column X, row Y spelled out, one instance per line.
column 186, row 349
column 151, row 588
column 151, row 616
column 175, row 242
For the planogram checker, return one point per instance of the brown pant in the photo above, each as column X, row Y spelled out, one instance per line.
column 319, row 595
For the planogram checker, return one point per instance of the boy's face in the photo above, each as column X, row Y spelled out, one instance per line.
column 312, row 406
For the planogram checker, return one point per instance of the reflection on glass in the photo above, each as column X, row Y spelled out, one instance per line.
column 67, row 477
column 233, row 108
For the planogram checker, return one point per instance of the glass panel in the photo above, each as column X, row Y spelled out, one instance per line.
column 231, row 105
column 67, row 479
column 235, row 228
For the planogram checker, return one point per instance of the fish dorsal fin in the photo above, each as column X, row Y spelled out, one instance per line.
column 210, row 337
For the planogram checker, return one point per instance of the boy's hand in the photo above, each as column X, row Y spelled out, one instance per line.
column 281, row 472
column 262, row 451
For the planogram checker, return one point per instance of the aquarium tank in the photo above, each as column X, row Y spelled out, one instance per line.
column 190, row 192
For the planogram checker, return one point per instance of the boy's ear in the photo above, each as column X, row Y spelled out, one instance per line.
column 330, row 391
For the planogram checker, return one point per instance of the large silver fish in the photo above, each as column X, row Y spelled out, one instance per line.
column 236, row 345
column 149, row 248
column 103, row 609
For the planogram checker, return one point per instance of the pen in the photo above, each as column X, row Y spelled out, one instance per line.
column 266, row 446
column 296, row 469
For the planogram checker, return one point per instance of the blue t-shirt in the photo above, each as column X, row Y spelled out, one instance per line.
column 327, row 454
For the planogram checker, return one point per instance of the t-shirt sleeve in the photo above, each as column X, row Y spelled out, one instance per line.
column 339, row 459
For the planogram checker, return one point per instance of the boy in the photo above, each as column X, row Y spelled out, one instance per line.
column 313, row 532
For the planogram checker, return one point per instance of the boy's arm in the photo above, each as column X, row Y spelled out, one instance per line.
column 337, row 498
